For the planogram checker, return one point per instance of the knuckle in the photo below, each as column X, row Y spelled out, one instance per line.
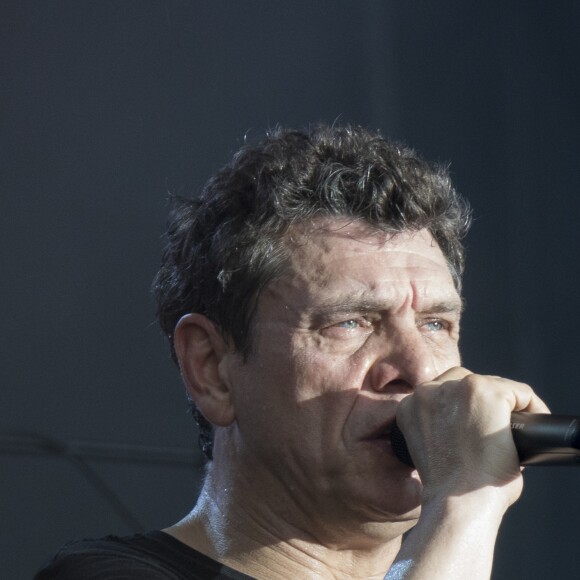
column 474, row 383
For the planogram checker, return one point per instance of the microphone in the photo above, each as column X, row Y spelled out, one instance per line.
column 540, row 439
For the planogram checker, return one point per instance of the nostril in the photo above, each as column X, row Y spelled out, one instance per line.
column 384, row 377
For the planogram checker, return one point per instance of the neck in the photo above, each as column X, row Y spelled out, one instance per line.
column 268, row 535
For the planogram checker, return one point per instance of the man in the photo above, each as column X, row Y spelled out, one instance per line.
column 311, row 295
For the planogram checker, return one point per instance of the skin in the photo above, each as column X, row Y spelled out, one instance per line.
column 361, row 326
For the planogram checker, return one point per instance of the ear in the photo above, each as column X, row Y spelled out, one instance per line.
column 200, row 348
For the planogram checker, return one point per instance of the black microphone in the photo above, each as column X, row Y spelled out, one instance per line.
column 540, row 439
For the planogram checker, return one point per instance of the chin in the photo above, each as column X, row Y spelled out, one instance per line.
column 398, row 499
column 386, row 523
column 379, row 492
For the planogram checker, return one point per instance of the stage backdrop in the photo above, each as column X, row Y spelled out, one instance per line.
column 106, row 106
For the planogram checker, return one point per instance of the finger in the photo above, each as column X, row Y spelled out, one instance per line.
column 522, row 397
column 530, row 402
column 453, row 374
column 525, row 399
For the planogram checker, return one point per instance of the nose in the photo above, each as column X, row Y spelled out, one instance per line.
column 405, row 361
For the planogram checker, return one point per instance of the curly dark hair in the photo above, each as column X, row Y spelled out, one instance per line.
column 225, row 246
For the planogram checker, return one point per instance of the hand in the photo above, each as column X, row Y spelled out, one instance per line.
column 458, row 432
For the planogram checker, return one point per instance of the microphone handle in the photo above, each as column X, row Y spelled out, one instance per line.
column 540, row 439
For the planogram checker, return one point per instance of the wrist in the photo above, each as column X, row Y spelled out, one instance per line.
column 454, row 537
column 486, row 503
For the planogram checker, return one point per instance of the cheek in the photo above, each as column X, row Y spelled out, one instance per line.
column 318, row 373
column 452, row 356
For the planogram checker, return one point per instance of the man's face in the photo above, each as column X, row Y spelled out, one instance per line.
column 355, row 323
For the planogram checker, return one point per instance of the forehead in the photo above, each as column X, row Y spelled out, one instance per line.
column 336, row 256
column 330, row 237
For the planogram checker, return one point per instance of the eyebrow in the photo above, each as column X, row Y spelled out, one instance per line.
column 444, row 307
column 352, row 304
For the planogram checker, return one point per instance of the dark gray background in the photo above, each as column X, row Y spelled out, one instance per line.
column 107, row 105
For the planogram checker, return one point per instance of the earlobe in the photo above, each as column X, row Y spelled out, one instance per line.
column 200, row 348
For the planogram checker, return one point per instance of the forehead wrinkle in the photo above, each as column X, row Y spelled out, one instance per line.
column 316, row 259
column 420, row 302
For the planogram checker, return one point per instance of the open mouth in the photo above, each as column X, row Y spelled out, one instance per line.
column 386, row 441
column 386, row 434
column 381, row 434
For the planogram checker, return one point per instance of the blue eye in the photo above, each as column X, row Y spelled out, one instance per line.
column 348, row 324
column 435, row 325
